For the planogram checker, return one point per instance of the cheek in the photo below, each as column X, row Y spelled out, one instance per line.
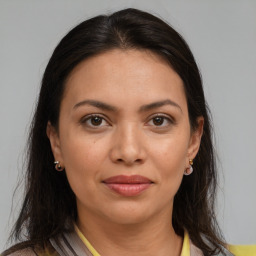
column 83, row 159
column 169, row 160
column 81, row 150
column 170, row 154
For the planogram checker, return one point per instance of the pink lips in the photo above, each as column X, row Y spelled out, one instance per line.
column 128, row 185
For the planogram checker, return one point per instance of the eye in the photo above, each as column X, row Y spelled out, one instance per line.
column 160, row 121
column 94, row 121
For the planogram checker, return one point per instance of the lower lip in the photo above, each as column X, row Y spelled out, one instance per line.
column 128, row 189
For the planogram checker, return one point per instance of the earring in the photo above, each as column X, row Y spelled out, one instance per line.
column 58, row 167
column 189, row 170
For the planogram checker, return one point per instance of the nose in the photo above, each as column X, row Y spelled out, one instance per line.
column 127, row 146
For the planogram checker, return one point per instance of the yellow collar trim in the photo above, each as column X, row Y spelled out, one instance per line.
column 242, row 250
column 184, row 252
column 86, row 242
column 186, row 245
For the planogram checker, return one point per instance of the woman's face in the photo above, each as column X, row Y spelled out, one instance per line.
column 124, row 136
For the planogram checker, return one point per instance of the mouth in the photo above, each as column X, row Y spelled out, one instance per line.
column 128, row 185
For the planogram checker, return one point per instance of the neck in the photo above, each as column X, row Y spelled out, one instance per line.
column 152, row 237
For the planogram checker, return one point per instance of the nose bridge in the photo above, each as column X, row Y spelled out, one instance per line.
column 129, row 136
column 127, row 144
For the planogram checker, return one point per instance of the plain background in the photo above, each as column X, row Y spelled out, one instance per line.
column 222, row 36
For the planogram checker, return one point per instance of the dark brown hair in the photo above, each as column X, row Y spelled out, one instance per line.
column 49, row 201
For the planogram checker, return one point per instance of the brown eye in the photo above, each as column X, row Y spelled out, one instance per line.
column 161, row 121
column 158, row 120
column 96, row 120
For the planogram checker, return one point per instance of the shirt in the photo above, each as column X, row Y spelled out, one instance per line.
column 237, row 250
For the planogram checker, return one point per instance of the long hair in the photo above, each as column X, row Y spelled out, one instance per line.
column 49, row 201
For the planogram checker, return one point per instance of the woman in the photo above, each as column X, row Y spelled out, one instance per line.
column 121, row 123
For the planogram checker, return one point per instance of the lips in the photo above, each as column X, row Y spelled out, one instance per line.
column 128, row 185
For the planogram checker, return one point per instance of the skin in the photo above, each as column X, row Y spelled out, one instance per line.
column 128, row 140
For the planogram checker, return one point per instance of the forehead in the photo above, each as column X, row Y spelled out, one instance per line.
column 124, row 74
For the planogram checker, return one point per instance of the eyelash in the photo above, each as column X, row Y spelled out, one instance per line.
column 87, row 118
column 168, row 119
column 90, row 117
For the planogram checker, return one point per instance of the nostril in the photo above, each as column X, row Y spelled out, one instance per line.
column 127, row 154
column 129, row 162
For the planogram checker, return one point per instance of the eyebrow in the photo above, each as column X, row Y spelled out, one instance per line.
column 144, row 108
column 158, row 104
column 97, row 104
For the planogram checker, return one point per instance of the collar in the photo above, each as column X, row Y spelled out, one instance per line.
column 75, row 243
column 184, row 252
column 86, row 242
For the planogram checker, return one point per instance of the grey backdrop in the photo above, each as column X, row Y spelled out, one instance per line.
column 222, row 36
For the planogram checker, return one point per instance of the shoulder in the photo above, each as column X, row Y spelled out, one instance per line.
column 242, row 250
column 23, row 252
column 16, row 250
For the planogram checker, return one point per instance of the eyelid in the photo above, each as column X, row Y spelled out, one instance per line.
column 85, row 118
column 169, row 118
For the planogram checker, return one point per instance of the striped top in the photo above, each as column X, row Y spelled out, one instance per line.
column 76, row 244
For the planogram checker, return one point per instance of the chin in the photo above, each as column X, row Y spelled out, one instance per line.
column 129, row 215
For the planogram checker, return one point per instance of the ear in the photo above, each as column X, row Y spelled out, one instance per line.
column 195, row 139
column 53, row 136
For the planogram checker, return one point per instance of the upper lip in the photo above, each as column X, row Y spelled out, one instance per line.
column 123, row 179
